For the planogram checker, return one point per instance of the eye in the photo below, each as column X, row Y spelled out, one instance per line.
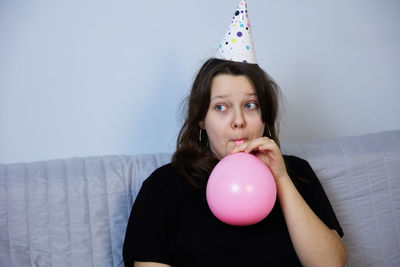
column 251, row 105
column 220, row 107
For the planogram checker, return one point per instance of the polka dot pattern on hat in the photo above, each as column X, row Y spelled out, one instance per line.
column 238, row 45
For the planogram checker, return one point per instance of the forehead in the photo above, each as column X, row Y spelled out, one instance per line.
column 226, row 85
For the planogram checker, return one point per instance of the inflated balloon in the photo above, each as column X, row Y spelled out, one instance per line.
column 241, row 190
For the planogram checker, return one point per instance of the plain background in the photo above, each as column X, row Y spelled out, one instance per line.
column 82, row 78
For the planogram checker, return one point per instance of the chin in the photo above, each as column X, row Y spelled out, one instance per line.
column 222, row 154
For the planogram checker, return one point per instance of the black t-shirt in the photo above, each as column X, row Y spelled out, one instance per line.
column 171, row 223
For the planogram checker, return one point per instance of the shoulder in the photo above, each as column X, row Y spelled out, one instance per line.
column 296, row 164
column 299, row 169
column 160, row 190
column 294, row 160
column 162, row 178
column 163, row 171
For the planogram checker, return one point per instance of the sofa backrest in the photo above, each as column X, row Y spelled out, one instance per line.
column 74, row 212
column 69, row 212
column 361, row 176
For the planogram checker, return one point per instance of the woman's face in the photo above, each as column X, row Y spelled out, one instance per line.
column 233, row 114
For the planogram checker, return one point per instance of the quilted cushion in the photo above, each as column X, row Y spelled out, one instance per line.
column 69, row 212
column 361, row 176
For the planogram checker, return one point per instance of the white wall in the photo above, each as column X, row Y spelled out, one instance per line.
column 80, row 78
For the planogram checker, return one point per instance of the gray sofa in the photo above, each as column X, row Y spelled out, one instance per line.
column 73, row 212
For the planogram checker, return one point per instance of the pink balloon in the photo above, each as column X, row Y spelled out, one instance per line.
column 241, row 190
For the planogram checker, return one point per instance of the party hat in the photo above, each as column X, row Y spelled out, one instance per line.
column 238, row 44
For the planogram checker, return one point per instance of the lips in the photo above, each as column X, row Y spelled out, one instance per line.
column 239, row 141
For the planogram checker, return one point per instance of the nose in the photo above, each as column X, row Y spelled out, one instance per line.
column 238, row 120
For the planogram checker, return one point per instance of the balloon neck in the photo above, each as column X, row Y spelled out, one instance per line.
column 238, row 142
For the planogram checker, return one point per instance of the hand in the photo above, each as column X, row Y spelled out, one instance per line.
column 268, row 152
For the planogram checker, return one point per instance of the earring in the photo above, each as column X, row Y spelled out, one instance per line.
column 269, row 133
column 200, row 135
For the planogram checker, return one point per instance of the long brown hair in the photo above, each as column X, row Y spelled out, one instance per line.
column 193, row 159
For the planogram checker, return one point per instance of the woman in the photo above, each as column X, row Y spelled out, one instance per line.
column 171, row 224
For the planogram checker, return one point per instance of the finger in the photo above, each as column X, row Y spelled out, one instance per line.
column 243, row 147
column 272, row 150
column 268, row 146
column 239, row 148
column 259, row 142
column 252, row 145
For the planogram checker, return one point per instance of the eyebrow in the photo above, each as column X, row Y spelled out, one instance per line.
column 224, row 96
column 219, row 96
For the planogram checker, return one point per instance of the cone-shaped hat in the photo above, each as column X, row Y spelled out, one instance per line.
column 238, row 44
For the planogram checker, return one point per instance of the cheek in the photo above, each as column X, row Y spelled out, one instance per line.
column 214, row 125
column 261, row 128
column 217, row 136
column 257, row 127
